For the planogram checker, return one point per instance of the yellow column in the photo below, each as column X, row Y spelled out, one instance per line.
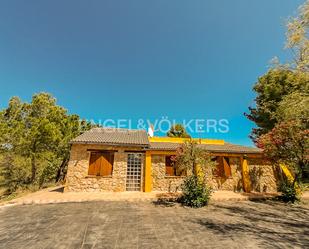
column 245, row 174
column 287, row 172
column 289, row 176
column 148, row 178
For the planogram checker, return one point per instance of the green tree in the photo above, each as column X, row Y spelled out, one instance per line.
column 191, row 157
column 34, row 141
column 274, row 91
column 297, row 38
column 71, row 128
column 294, row 106
column 178, row 130
column 282, row 93
column 196, row 161
column 281, row 113
column 288, row 143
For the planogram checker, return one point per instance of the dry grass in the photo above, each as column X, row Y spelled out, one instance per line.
column 22, row 192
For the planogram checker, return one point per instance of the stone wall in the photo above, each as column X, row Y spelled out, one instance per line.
column 78, row 179
column 161, row 182
column 263, row 176
column 232, row 183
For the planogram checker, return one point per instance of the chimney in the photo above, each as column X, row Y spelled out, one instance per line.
column 150, row 131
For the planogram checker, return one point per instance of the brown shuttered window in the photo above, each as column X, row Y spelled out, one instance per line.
column 101, row 164
column 227, row 167
column 171, row 168
column 223, row 168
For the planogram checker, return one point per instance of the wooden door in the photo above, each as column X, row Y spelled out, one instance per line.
column 95, row 164
column 106, row 164
column 101, row 164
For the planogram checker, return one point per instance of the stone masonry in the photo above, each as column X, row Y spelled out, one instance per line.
column 78, row 179
column 266, row 181
column 232, row 183
column 161, row 182
column 262, row 175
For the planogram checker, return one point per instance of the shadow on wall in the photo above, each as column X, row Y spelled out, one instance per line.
column 260, row 180
column 279, row 176
column 255, row 178
column 236, row 187
column 234, row 182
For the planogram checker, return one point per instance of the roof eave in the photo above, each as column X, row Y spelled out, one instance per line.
column 110, row 144
column 213, row 151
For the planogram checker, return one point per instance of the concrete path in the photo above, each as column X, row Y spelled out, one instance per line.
column 123, row 224
column 56, row 195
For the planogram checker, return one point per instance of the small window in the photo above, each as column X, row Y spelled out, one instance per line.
column 101, row 164
column 171, row 168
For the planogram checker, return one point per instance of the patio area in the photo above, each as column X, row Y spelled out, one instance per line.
column 135, row 224
column 56, row 195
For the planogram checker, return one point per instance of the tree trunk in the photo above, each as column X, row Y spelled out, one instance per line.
column 295, row 179
column 33, row 163
column 193, row 163
column 62, row 169
column 193, row 169
column 302, row 166
column 33, row 168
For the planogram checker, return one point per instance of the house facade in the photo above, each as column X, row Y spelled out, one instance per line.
column 108, row 159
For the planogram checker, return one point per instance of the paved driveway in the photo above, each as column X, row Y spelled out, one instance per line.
column 146, row 225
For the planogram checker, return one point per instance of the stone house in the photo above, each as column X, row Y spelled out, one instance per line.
column 108, row 159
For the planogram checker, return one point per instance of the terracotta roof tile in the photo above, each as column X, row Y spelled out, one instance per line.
column 227, row 147
column 116, row 136
column 113, row 136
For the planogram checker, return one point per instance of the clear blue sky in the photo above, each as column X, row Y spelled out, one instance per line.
column 143, row 59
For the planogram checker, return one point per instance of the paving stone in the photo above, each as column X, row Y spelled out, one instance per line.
column 122, row 224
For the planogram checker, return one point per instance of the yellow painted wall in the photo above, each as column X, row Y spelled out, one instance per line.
column 289, row 176
column 287, row 172
column 182, row 140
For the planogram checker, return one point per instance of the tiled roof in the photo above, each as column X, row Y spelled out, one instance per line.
column 116, row 136
column 164, row 146
column 224, row 148
column 113, row 136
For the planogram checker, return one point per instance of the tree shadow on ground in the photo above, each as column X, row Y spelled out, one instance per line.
column 164, row 202
column 169, row 199
column 272, row 224
column 58, row 189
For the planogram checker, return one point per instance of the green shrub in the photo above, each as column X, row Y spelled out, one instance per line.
column 289, row 192
column 194, row 193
